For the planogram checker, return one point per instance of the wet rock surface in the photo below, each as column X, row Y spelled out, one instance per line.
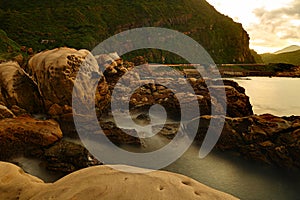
column 68, row 157
column 265, row 138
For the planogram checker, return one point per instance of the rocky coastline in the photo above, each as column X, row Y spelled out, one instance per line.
column 36, row 115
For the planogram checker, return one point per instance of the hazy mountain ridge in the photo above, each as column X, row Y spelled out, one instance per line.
column 288, row 49
column 288, row 57
column 81, row 24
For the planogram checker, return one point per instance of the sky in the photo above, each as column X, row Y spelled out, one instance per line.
column 271, row 24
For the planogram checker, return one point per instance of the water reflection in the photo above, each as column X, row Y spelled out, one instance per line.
column 277, row 95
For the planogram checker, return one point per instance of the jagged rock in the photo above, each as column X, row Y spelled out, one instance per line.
column 117, row 136
column 151, row 93
column 25, row 135
column 265, row 138
column 68, row 157
column 103, row 182
column 17, row 88
column 113, row 67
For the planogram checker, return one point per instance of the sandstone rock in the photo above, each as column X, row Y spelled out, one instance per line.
column 265, row 138
column 17, row 88
column 25, row 135
column 55, row 72
column 104, row 183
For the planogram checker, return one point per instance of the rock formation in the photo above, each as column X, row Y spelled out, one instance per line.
column 25, row 135
column 151, row 92
column 265, row 138
column 104, row 183
column 67, row 157
column 17, row 88
column 55, row 72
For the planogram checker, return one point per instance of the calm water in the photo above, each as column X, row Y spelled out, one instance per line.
column 277, row 96
column 230, row 173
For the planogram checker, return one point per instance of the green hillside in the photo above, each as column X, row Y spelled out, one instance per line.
column 83, row 24
column 256, row 56
column 8, row 47
column 289, row 57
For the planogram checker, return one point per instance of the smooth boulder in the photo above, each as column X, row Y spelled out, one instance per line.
column 105, row 183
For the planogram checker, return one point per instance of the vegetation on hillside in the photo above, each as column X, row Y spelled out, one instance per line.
column 289, row 58
column 84, row 24
column 256, row 56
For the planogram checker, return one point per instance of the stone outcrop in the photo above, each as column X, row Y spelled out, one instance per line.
column 265, row 138
column 25, row 135
column 55, row 72
column 118, row 136
column 157, row 92
column 113, row 67
column 103, row 182
column 17, row 88
column 68, row 157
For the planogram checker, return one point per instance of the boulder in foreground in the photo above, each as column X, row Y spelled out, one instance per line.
column 104, row 183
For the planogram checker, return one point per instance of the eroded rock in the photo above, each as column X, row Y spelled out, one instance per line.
column 103, row 182
column 266, row 138
column 17, row 88
column 25, row 135
column 68, row 157
column 55, row 72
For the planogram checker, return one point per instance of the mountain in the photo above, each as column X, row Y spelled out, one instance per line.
column 84, row 24
column 256, row 56
column 289, row 58
column 288, row 49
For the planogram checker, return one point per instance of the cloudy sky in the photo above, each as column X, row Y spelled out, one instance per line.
column 271, row 24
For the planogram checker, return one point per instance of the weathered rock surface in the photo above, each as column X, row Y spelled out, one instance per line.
column 68, row 157
column 55, row 72
column 265, row 138
column 150, row 93
column 104, row 183
column 17, row 88
column 25, row 135
column 117, row 136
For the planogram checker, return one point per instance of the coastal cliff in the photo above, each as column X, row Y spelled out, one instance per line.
column 80, row 24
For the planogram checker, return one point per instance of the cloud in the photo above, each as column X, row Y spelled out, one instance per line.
column 276, row 27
